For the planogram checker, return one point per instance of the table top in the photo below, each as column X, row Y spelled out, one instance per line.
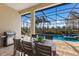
column 49, row 43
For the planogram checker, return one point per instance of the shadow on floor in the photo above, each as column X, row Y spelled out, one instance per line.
column 76, row 50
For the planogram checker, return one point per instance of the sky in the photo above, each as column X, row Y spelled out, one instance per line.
column 56, row 15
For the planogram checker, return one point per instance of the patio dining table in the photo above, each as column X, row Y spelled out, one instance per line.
column 47, row 42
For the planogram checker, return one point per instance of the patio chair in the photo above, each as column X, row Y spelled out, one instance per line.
column 42, row 50
column 17, row 46
column 27, row 48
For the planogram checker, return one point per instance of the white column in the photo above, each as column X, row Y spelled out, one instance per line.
column 32, row 28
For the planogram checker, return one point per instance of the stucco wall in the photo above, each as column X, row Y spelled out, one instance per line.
column 9, row 20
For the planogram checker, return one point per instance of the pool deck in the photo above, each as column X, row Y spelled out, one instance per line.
column 67, row 48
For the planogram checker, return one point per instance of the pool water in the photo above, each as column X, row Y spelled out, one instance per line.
column 55, row 37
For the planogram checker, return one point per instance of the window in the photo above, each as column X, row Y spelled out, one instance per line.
column 25, row 23
column 58, row 19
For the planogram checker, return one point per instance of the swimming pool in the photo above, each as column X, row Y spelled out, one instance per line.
column 59, row 37
column 56, row 37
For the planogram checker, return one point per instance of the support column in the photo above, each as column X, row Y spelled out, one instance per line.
column 32, row 28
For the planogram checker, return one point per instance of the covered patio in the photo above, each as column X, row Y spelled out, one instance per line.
column 22, row 19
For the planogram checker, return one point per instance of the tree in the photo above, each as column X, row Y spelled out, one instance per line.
column 42, row 20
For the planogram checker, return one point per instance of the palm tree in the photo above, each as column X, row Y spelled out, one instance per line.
column 42, row 20
column 38, row 21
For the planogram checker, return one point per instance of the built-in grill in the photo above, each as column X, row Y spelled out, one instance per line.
column 8, row 40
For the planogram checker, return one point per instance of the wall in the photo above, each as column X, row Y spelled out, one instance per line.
column 9, row 20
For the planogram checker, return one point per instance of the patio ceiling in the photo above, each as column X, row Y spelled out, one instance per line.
column 37, row 7
column 20, row 6
column 28, row 7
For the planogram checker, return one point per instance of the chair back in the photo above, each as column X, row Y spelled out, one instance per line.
column 27, row 47
column 42, row 50
column 17, row 45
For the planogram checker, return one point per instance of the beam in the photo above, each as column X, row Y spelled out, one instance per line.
column 38, row 7
column 47, row 16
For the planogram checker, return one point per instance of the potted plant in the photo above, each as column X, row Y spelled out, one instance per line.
column 39, row 39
